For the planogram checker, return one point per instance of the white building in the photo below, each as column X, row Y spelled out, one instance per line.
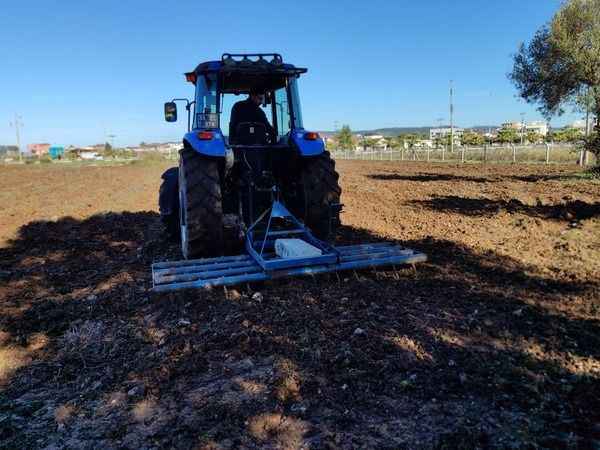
column 91, row 156
column 440, row 133
column 424, row 143
column 538, row 127
column 512, row 126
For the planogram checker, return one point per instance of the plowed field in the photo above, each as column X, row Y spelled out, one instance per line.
column 494, row 342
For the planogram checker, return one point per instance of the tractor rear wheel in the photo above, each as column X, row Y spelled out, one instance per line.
column 168, row 203
column 321, row 189
column 200, row 205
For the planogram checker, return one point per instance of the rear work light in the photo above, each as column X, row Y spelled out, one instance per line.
column 205, row 135
column 311, row 136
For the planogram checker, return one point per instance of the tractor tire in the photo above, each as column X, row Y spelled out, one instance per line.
column 321, row 189
column 200, row 205
column 168, row 203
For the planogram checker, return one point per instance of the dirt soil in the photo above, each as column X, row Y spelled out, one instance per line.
column 493, row 343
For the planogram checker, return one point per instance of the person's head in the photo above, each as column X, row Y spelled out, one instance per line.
column 257, row 97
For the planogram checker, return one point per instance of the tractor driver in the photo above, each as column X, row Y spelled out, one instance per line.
column 249, row 111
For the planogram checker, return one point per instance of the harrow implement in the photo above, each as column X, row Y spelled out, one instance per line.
column 264, row 263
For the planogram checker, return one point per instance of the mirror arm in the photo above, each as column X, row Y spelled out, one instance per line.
column 187, row 107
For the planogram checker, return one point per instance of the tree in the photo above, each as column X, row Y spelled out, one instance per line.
column 472, row 138
column 563, row 61
column 345, row 139
column 392, row 143
column 107, row 147
column 368, row 143
column 508, row 135
column 570, row 135
column 408, row 139
column 533, row 137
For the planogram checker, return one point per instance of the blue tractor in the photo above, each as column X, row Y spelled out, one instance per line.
column 225, row 181
column 268, row 185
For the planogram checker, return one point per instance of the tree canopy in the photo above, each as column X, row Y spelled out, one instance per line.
column 345, row 139
column 472, row 138
column 562, row 63
column 508, row 135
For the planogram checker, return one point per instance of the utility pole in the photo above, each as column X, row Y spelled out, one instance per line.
column 584, row 159
column 522, row 126
column 17, row 123
column 451, row 119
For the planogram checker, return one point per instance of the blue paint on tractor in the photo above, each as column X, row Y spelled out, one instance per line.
column 208, row 147
column 307, row 147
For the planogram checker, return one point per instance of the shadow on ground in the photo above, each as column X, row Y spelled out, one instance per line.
column 465, row 350
column 428, row 177
column 572, row 210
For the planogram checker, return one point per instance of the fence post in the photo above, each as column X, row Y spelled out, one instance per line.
column 443, row 152
column 428, row 154
column 547, row 153
column 402, row 154
column 462, row 154
column 485, row 153
column 514, row 149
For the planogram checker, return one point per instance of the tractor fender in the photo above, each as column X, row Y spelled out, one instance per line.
column 306, row 147
column 212, row 147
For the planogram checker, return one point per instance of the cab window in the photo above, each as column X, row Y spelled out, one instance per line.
column 282, row 110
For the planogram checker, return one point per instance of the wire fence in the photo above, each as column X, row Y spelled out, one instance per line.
column 527, row 154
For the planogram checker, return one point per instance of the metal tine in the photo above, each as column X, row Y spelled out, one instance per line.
column 222, row 281
column 206, row 274
column 199, row 268
column 361, row 247
column 375, row 255
column 398, row 259
column 191, row 262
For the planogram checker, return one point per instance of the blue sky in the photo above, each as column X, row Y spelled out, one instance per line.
column 78, row 70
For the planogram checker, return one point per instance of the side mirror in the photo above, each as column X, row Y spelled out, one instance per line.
column 170, row 112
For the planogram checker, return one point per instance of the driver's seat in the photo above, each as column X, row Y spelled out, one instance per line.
column 249, row 133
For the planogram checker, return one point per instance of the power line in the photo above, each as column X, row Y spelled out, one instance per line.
column 522, row 126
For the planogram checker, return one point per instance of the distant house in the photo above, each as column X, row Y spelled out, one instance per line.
column 90, row 156
column 7, row 151
column 424, row 143
column 38, row 149
column 538, row 127
column 165, row 147
column 441, row 133
column 512, row 126
column 56, row 152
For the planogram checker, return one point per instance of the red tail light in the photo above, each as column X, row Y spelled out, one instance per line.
column 191, row 77
column 205, row 135
column 311, row 136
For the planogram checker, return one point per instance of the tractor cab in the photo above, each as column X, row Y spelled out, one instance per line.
column 221, row 84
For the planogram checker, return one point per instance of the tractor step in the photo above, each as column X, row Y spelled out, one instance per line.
column 231, row 270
